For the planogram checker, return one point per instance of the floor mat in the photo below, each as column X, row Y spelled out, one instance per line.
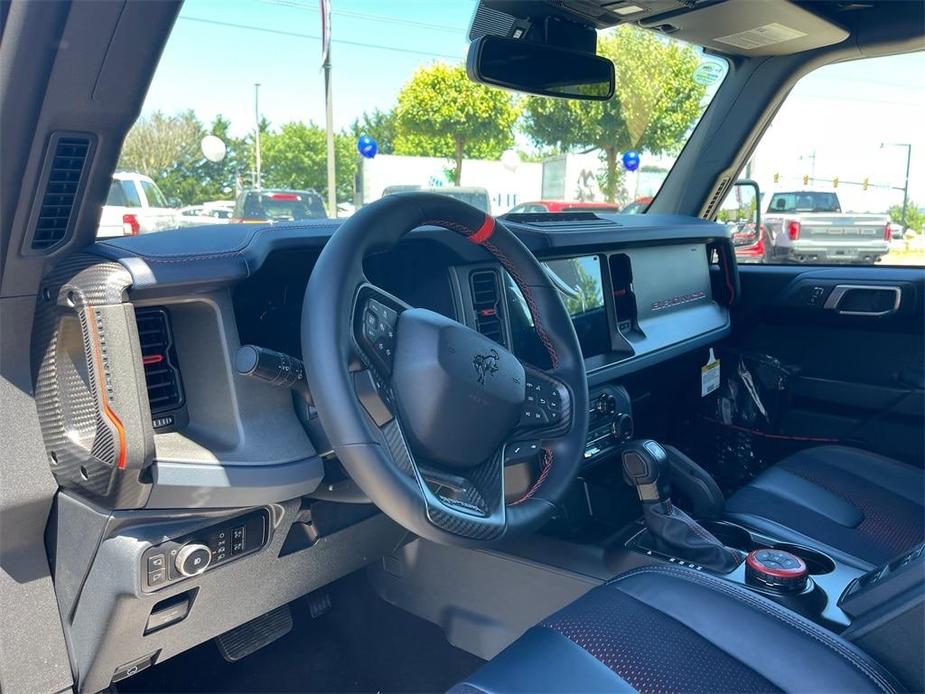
column 362, row 645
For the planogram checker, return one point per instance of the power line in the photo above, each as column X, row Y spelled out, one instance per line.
column 373, row 17
column 281, row 32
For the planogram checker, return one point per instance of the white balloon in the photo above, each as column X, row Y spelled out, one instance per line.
column 213, row 148
column 510, row 160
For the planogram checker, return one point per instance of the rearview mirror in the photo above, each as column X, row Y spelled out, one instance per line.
column 539, row 69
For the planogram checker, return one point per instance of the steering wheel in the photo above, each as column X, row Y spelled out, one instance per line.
column 422, row 411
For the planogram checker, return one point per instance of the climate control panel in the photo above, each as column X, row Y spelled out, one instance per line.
column 198, row 552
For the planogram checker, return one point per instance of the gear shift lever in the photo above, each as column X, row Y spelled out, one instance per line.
column 647, row 467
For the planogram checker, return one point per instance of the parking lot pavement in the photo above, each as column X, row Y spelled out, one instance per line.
column 906, row 252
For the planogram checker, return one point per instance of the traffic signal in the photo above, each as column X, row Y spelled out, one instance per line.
column 835, row 182
column 777, row 178
column 866, row 183
column 806, row 180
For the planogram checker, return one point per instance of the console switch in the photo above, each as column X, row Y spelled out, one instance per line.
column 132, row 667
column 237, row 540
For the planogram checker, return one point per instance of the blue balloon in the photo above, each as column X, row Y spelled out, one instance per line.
column 367, row 146
column 631, row 160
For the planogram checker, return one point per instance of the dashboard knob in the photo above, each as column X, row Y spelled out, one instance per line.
column 193, row 559
column 606, row 404
column 622, row 427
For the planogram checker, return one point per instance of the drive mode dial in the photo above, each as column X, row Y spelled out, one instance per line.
column 193, row 559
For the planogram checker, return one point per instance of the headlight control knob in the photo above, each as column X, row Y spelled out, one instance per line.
column 193, row 559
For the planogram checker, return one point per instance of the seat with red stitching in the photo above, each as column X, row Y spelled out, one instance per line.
column 450, row 493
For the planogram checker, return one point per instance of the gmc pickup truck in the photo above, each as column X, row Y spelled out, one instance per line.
column 810, row 227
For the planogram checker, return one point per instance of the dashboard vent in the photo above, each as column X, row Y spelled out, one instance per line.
column 63, row 177
column 712, row 207
column 165, row 389
column 486, row 300
column 568, row 218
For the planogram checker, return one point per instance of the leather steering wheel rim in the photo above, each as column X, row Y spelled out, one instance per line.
column 378, row 457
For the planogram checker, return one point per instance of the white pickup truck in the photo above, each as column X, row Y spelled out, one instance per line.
column 809, row 227
column 135, row 205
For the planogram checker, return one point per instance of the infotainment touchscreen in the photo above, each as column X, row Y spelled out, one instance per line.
column 581, row 288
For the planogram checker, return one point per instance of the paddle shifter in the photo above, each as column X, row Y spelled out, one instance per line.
column 646, row 466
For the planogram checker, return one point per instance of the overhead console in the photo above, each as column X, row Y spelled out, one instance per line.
column 631, row 308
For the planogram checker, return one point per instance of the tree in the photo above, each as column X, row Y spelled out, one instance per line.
column 379, row 125
column 915, row 219
column 655, row 104
column 442, row 113
column 167, row 148
column 160, row 142
column 295, row 157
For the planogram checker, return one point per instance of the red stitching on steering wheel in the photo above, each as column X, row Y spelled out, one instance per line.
column 544, row 473
column 531, row 302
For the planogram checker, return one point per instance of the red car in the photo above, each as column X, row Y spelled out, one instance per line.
column 541, row 206
column 749, row 246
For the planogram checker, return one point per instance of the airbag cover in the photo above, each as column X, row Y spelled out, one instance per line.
column 459, row 394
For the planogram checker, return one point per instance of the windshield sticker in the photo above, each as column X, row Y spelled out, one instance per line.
column 759, row 37
column 708, row 73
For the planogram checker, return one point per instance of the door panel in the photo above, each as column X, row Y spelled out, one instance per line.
column 856, row 337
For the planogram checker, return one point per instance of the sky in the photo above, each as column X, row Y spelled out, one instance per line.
column 220, row 48
column 212, row 65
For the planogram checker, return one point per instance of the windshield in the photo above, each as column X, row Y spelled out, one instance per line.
column 237, row 108
column 804, row 202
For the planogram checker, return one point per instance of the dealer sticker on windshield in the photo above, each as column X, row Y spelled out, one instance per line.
column 709, row 375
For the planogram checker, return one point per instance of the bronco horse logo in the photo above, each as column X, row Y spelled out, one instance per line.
column 486, row 364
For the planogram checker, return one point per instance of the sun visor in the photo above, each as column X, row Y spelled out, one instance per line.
column 751, row 28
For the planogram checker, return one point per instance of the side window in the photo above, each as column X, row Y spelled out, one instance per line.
column 116, row 197
column 154, row 195
column 841, row 170
column 130, row 194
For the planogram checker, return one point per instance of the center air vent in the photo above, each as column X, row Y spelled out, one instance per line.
column 165, row 388
column 486, row 300
column 63, row 175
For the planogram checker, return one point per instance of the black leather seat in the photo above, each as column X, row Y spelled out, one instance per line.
column 855, row 504
column 666, row 628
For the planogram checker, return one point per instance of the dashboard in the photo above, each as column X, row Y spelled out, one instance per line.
column 640, row 291
column 216, row 484
column 630, row 308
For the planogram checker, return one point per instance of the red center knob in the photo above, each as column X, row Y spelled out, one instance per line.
column 776, row 569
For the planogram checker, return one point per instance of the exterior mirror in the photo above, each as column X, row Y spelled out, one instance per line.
column 535, row 68
column 742, row 211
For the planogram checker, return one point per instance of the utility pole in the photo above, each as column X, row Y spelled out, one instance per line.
column 906, row 181
column 328, row 104
column 906, row 185
column 257, row 130
column 329, row 125
column 812, row 171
